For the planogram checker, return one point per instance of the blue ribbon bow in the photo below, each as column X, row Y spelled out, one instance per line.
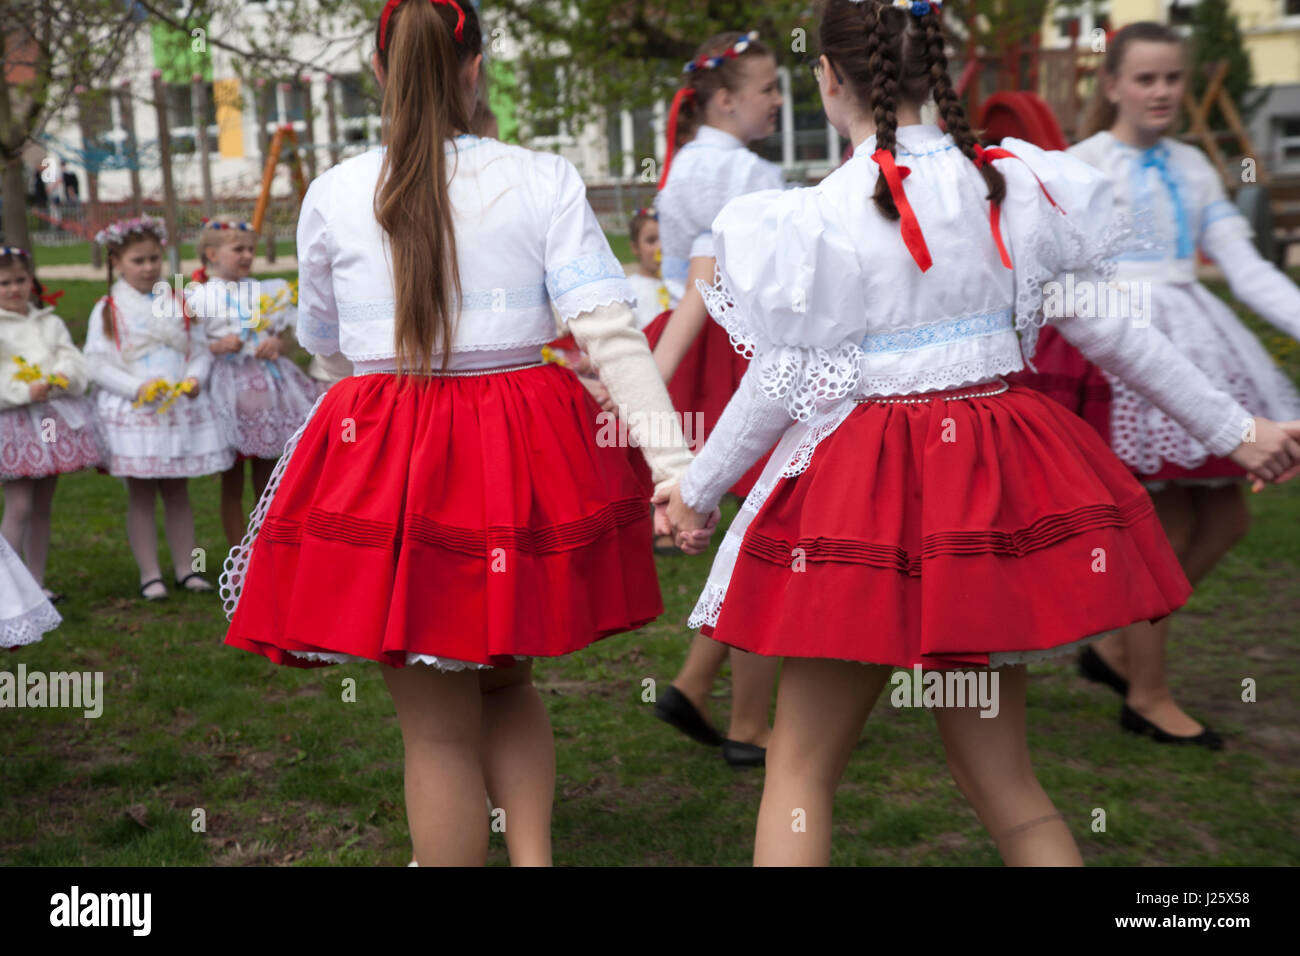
column 1157, row 158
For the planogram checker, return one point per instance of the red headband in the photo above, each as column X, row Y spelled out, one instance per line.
column 391, row 5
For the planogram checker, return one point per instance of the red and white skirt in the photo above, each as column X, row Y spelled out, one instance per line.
column 977, row 527
column 259, row 403
column 456, row 520
column 54, row 437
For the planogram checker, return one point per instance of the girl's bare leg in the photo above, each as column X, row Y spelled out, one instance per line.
column 519, row 761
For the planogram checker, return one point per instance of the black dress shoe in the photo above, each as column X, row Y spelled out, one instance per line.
column 1093, row 668
column 675, row 708
column 741, row 755
column 1134, row 722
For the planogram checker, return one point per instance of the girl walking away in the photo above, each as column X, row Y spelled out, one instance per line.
column 730, row 96
column 921, row 512
column 47, row 425
column 448, row 511
column 149, row 361
column 258, row 394
column 1198, row 493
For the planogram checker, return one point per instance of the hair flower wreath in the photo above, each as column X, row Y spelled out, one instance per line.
column 917, row 8
column 712, row 62
column 115, row 233
column 213, row 224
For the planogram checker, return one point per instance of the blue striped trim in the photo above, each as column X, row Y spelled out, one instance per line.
column 1219, row 209
column 581, row 271
column 941, row 149
column 968, row 326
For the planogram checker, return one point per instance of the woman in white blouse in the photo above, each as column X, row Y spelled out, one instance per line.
column 448, row 509
column 920, row 513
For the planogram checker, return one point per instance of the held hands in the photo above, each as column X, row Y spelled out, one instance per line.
column 1274, row 456
column 194, row 387
column 39, row 390
column 691, row 529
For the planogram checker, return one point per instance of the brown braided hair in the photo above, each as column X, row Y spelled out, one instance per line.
column 887, row 56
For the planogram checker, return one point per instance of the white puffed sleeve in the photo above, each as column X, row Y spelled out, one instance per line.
column 104, row 361
column 581, row 272
column 752, row 174
column 789, row 292
column 317, row 315
column 1226, row 238
column 1078, row 236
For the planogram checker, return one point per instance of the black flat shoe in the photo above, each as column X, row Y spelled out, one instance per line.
column 1134, row 722
column 741, row 756
column 183, row 583
column 675, row 708
column 54, row 597
column 160, row 597
column 1093, row 668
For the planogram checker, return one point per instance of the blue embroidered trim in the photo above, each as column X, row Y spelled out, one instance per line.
column 314, row 328
column 675, row 268
column 968, row 326
column 1219, row 209
column 578, row 272
column 503, row 299
column 941, row 149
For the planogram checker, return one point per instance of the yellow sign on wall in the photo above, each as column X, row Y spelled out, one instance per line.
column 230, row 127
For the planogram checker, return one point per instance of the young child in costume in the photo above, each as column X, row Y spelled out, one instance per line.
column 47, row 425
column 259, row 395
column 1173, row 191
column 447, row 511
column 653, row 298
column 149, row 361
column 920, row 512
column 730, row 96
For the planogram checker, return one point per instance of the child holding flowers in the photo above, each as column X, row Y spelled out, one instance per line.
column 47, row 425
column 260, row 396
column 150, row 363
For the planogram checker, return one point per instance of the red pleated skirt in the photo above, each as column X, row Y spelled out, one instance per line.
column 939, row 533
column 1076, row 383
column 470, row 518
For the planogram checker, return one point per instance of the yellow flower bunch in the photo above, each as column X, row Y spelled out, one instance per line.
column 551, row 355
column 272, row 304
column 664, row 298
column 32, row 373
column 160, row 389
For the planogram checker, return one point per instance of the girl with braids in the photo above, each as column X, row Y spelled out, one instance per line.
column 1197, row 491
column 447, row 510
column 920, row 512
column 47, row 425
column 730, row 96
column 141, row 344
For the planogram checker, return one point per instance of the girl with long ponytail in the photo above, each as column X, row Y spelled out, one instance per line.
column 918, row 511
column 447, row 511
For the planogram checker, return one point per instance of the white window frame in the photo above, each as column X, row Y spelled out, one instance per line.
column 1086, row 13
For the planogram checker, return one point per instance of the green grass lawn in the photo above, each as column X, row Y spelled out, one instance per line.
column 285, row 771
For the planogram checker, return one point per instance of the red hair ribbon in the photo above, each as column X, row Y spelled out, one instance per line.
column 391, row 5
column 685, row 93
column 894, row 176
column 984, row 157
column 51, row 298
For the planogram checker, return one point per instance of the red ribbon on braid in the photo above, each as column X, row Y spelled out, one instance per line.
column 391, row 5
column 912, row 236
column 685, row 93
column 982, row 158
column 51, row 298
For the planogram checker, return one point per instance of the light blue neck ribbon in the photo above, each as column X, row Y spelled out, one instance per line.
column 1157, row 158
column 246, row 333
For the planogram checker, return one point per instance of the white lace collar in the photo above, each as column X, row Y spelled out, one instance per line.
column 917, row 138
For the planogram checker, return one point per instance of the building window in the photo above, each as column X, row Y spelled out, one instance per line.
column 1286, row 142
column 180, row 116
column 358, row 108
column 1180, row 12
column 1082, row 16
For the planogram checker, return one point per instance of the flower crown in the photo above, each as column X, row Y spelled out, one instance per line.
column 214, row 224
column 917, row 8
column 14, row 251
column 712, row 62
column 115, row 233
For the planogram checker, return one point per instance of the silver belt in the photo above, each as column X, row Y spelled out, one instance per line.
column 459, row 373
column 934, row 396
